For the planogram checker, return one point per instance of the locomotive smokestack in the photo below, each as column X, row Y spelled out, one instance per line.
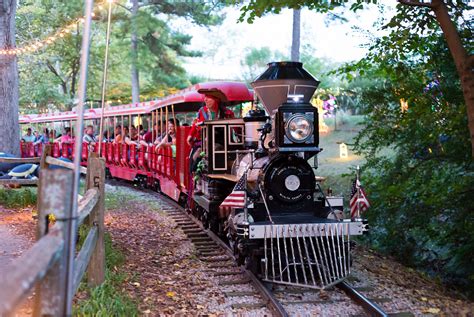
column 282, row 79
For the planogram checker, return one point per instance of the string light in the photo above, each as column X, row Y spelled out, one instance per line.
column 60, row 34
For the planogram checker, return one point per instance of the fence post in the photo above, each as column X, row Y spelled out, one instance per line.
column 54, row 197
column 96, row 179
column 41, row 228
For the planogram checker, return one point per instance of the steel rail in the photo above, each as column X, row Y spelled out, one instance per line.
column 370, row 308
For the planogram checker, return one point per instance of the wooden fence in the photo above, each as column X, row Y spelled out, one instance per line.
column 43, row 266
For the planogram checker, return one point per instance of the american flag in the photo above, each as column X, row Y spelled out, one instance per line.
column 363, row 202
column 236, row 198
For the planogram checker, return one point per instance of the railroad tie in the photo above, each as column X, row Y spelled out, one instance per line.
column 241, row 293
column 235, row 282
column 248, row 305
column 227, row 273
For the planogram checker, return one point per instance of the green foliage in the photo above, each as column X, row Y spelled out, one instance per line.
column 422, row 195
column 18, row 198
column 258, row 8
column 108, row 299
column 50, row 76
column 256, row 60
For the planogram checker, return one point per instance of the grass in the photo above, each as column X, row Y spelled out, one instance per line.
column 339, row 172
column 108, row 299
column 117, row 199
column 18, row 198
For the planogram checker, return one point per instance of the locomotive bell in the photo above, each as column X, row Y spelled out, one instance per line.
column 282, row 79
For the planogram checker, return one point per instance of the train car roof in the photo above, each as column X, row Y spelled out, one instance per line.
column 188, row 100
column 26, row 118
column 64, row 116
column 130, row 109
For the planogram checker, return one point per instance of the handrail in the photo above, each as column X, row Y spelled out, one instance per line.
column 54, row 161
column 25, row 160
column 84, row 256
column 86, row 204
column 43, row 264
column 18, row 181
column 25, row 271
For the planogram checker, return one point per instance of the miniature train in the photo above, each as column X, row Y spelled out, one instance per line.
column 285, row 229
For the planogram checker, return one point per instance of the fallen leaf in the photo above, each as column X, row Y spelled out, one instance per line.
column 171, row 294
column 432, row 310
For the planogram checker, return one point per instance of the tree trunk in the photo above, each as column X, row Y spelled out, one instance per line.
column 295, row 44
column 134, row 52
column 464, row 62
column 9, row 126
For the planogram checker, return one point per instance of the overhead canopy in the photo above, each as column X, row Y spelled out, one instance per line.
column 189, row 100
column 186, row 100
column 63, row 116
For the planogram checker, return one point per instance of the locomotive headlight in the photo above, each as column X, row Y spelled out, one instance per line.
column 299, row 128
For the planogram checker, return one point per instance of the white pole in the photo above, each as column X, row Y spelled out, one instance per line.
column 104, row 80
column 71, row 244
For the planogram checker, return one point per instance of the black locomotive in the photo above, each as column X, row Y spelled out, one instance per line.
column 286, row 230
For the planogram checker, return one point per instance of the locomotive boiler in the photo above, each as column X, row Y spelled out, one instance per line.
column 286, row 230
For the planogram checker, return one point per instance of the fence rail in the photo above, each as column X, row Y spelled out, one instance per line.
column 43, row 266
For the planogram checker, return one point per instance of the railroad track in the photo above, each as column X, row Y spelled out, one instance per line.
column 222, row 264
column 213, row 250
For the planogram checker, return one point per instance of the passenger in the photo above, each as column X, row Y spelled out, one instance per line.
column 52, row 135
column 134, row 136
column 28, row 137
column 37, row 136
column 89, row 136
column 66, row 137
column 212, row 110
column 44, row 138
column 118, row 134
column 131, row 138
column 124, row 134
column 147, row 136
column 170, row 137
column 161, row 131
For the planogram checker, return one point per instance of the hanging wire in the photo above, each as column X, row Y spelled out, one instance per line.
column 104, row 79
column 71, row 225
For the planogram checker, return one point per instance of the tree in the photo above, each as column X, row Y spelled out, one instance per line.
column 49, row 76
column 201, row 14
column 134, row 53
column 295, row 39
column 256, row 60
column 440, row 8
column 462, row 59
column 419, row 171
column 9, row 127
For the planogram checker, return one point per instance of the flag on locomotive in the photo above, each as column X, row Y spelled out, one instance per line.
column 236, row 198
column 358, row 201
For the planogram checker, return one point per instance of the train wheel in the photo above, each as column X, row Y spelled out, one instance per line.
column 252, row 262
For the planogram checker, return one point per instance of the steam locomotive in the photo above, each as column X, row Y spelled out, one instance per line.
column 287, row 230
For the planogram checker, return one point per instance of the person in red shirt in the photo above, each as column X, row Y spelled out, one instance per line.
column 213, row 109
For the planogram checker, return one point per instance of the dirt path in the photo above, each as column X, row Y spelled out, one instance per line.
column 164, row 274
column 17, row 229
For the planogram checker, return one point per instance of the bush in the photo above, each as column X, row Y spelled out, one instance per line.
column 18, row 198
